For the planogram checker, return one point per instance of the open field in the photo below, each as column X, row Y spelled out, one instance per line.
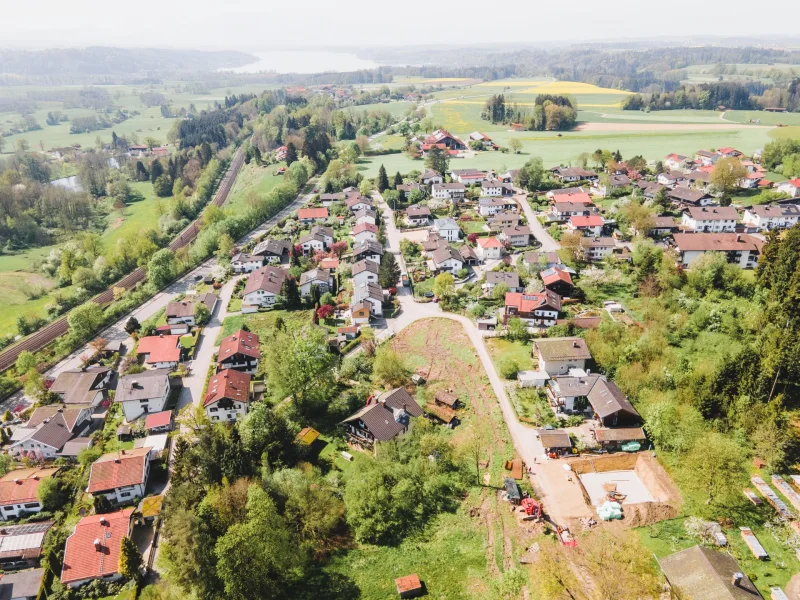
column 253, row 178
column 396, row 109
column 137, row 216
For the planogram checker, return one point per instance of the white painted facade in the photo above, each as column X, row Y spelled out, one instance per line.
column 236, row 411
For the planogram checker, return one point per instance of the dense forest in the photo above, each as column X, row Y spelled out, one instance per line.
column 550, row 113
column 733, row 96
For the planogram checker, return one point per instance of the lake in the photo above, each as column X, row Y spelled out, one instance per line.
column 305, row 61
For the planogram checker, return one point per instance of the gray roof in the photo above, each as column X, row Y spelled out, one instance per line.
column 554, row 438
column 443, row 253
column 467, row 253
column 607, row 399
column 365, row 265
column 269, row 279
column 273, row 247
column 684, row 194
column 23, row 541
column 142, row 386
column 367, row 290
column 573, row 387
column 322, row 230
column 705, row 574
column 244, row 257
column 400, row 398
column 379, row 420
column 516, row 230
column 22, row 584
column 367, row 247
column 315, row 275
column 510, row 278
column 75, row 446
column 418, row 210
column 775, row 210
column 563, row 348
column 446, row 223
column 185, row 307
column 79, row 387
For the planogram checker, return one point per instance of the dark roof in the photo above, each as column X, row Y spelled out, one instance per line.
column 684, row 194
column 367, row 247
column 554, row 438
column 379, row 420
column 77, row 386
column 142, row 386
column 418, row 210
column 709, row 242
column 22, row 584
column 270, row 279
column 315, row 275
column 42, row 413
column 511, row 279
column 365, row 265
column 467, row 253
column 619, row 434
column 273, row 247
column 706, row 213
column 243, row 257
column 607, row 399
column 369, row 289
column 400, row 398
column 705, row 574
column 53, row 432
column 443, row 253
column 563, row 348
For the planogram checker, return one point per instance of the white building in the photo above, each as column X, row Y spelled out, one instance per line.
column 120, row 476
column 263, row 286
column 19, row 491
column 316, row 277
column 597, row 248
column 489, row 248
column 454, row 192
column 739, row 248
column 143, row 393
column 772, row 216
column 228, row 396
column 791, row 187
column 246, row 263
column 447, row 229
column 446, row 258
column 365, row 271
column 370, row 293
column 557, row 356
column 710, row 219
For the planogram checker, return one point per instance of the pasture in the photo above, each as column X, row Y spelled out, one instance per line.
column 253, row 178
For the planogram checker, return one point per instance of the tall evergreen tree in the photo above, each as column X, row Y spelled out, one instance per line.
column 389, row 271
column 291, row 292
column 156, row 170
column 383, row 180
column 398, row 180
column 291, row 153
column 437, row 160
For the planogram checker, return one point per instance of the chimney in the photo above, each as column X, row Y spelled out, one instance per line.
column 103, row 521
column 17, row 481
column 574, row 344
column 738, row 237
column 736, row 580
column 97, row 544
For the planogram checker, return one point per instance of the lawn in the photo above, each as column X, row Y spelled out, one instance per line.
column 263, row 322
column 396, row 109
column 136, row 216
column 502, row 350
column 253, row 178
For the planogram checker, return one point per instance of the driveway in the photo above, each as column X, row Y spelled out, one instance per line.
column 539, row 232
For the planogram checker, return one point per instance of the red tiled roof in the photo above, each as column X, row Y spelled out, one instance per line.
column 241, row 342
column 22, row 485
column 164, row 348
column 728, row 150
column 586, row 221
column 365, row 227
column 83, row 559
column 312, row 213
column 764, row 183
column 491, row 242
column 795, row 182
column 527, row 303
column 118, row 469
column 159, row 419
column 554, row 274
column 329, row 263
column 230, row 384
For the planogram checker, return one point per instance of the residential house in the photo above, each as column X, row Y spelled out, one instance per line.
column 160, row 351
column 19, row 491
column 562, row 211
column 160, row 422
column 663, row 226
column 228, row 396
column 538, row 310
column 263, row 286
column 239, row 351
column 357, row 202
column 488, row 206
column 572, row 174
column 384, row 418
column 605, row 186
column 502, row 220
column 418, row 215
column 671, row 178
column 319, row 239
column 767, row 217
column 685, row 197
column 597, row 248
column 143, row 393
column 468, row 255
column 328, row 199
column 649, row 189
column 700, row 573
column 21, row 547
column 120, row 476
column 442, row 136
column 489, row 248
column 365, row 231
column 332, row 264
column 365, row 271
column 579, row 393
column 556, row 442
column 273, row 251
column 360, row 312
column 22, row 585
column 790, row 187
column 370, row 293
column 366, row 215
column 706, row 158
column 591, row 225
column 406, row 188
column 447, row 258
column 183, row 311
column 739, row 248
column 556, row 356
column 675, row 162
column 710, row 219
column 729, row 152
column 48, row 429
column 431, row 177
column 509, row 176
column 699, row 180
column 312, row 215
column 562, row 195
column 518, row 235
column 557, row 280
column 454, row 192
column 315, row 277
column 93, row 550
column 495, row 188
column 447, row 229
column 508, row 278
column 368, row 250
column 82, row 386
column 245, row 263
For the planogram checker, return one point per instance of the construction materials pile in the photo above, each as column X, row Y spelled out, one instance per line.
column 609, row 511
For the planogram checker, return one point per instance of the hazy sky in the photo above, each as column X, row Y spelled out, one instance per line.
column 264, row 24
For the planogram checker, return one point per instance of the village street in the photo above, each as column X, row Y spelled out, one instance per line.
column 537, row 229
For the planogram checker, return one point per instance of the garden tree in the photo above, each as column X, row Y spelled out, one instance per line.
column 98, row 344
column 389, row 369
column 201, row 313
column 718, row 472
column 726, row 175
column 226, row 247
column 156, row 170
column 499, row 291
column 515, row 145
column 6, row 463
column 131, row 325
column 339, row 248
column 26, row 361
column 325, row 311
column 150, row 142
column 398, row 180
column 291, row 153
column 85, row 319
column 260, row 558
column 517, row 330
column 367, row 338
column 301, row 367
column 266, row 433
column 291, row 292
column 382, row 182
column 53, row 493
column 161, row 268
column 637, row 163
column 474, row 451
column 389, row 271
column 444, row 285
column 365, row 187
column 102, row 505
column 162, row 186
column 437, row 160
column 531, row 174
column 639, row 217
column 661, row 199
column 647, row 259
column 415, row 196
column 141, row 172
column 130, row 561
column 571, row 246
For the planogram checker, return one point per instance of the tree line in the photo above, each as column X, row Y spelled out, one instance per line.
column 733, row 96
column 551, row 112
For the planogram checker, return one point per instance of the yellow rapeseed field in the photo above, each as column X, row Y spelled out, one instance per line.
column 570, row 87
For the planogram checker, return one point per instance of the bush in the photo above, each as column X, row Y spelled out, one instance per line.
column 509, row 369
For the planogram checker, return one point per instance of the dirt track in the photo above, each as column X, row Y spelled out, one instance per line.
column 664, row 126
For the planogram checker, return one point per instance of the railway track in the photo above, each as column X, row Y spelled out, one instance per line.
column 52, row 331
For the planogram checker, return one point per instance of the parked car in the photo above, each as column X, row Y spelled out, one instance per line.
column 429, row 294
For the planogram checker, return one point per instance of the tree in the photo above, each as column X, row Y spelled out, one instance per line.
column 201, row 313
column 389, row 271
column 129, row 559
column 85, row 319
column 325, row 311
column 389, row 369
column 437, row 160
column 716, row 471
column 131, row 325
column 156, row 170
column 161, row 268
column 291, row 154
column 517, row 329
column 515, row 145
column 444, row 285
column 52, row 494
column 25, row 362
column 727, row 174
column 150, row 142
column 162, row 186
column 291, row 292
column 531, row 175
column 398, row 180
column 382, row 181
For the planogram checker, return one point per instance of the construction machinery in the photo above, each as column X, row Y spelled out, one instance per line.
column 532, row 508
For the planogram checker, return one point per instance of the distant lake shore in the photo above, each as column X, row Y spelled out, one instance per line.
column 304, row 61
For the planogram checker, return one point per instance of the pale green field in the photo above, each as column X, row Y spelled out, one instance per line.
column 253, row 178
column 396, row 109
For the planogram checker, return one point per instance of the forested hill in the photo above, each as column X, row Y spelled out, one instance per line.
column 99, row 61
